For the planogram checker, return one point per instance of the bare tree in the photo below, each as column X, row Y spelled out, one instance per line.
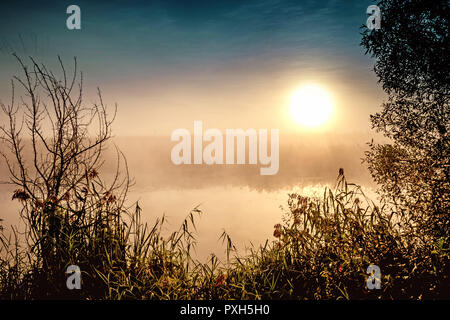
column 54, row 158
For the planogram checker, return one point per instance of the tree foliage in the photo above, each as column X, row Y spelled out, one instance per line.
column 411, row 52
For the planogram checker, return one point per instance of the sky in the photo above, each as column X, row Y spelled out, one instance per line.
column 231, row 64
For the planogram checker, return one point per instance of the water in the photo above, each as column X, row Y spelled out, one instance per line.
column 232, row 198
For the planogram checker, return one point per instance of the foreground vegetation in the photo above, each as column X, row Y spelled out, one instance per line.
column 321, row 251
column 322, row 248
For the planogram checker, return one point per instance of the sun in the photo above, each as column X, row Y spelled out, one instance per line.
column 311, row 106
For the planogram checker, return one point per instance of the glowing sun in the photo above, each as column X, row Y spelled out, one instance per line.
column 311, row 106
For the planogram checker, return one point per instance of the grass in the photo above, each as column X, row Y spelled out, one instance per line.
column 321, row 250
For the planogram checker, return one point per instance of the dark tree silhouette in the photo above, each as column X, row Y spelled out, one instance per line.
column 52, row 145
column 412, row 52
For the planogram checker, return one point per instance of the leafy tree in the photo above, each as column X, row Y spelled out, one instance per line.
column 411, row 51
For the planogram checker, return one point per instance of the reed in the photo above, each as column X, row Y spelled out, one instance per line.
column 320, row 250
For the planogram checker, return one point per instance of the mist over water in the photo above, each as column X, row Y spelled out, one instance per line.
column 235, row 198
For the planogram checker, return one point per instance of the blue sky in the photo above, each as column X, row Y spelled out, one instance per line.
column 200, row 30
column 190, row 45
